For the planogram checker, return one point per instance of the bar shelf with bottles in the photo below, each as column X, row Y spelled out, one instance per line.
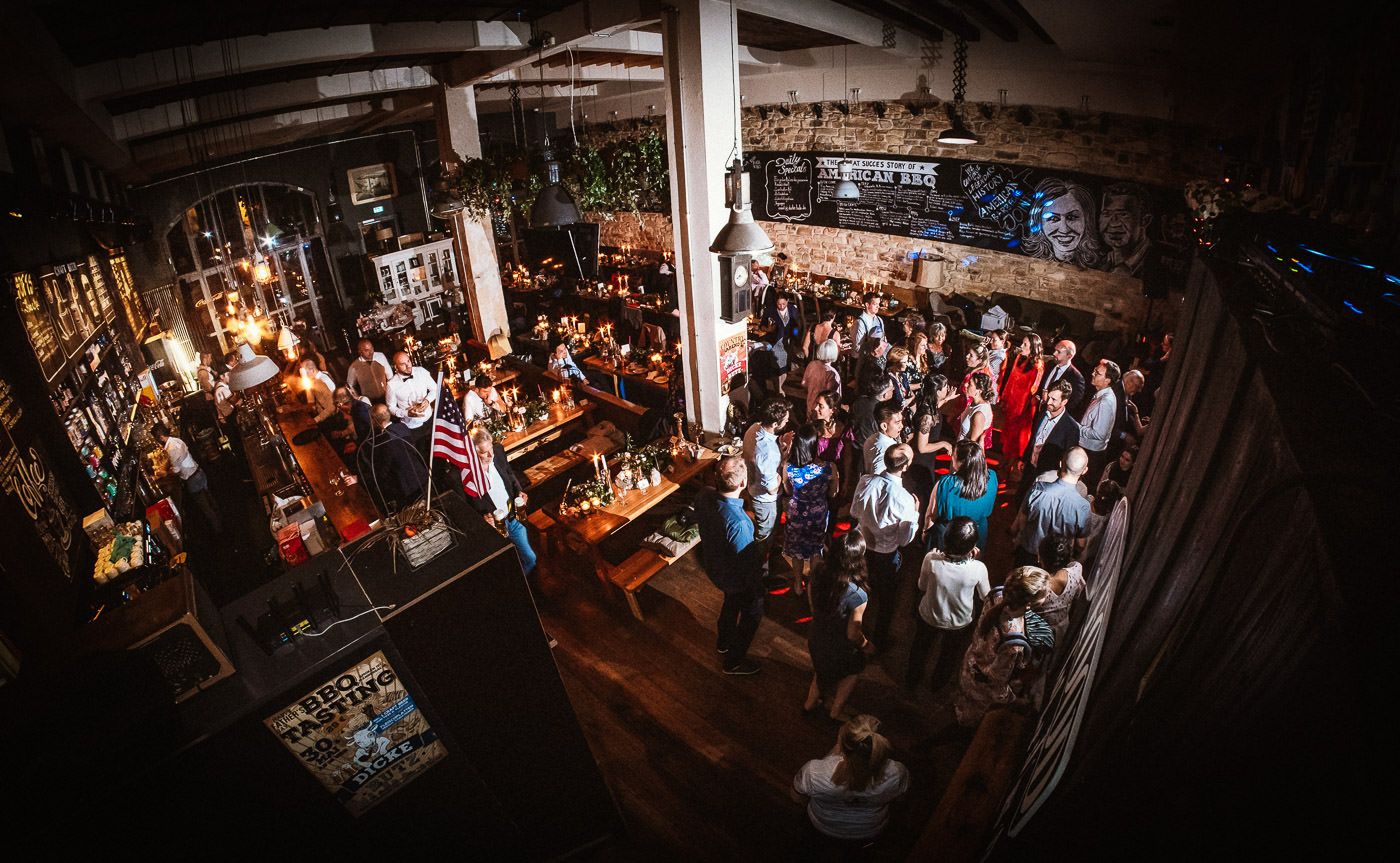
column 99, row 404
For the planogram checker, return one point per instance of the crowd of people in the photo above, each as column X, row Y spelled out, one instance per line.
column 895, row 459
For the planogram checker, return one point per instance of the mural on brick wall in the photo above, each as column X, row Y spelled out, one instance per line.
column 1086, row 221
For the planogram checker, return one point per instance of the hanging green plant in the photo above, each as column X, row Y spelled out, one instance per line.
column 489, row 185
column 624, row 175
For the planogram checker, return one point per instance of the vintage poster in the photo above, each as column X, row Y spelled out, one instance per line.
column 733, row 360
column 360, row 734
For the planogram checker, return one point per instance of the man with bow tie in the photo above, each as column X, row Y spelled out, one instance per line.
column 409, row 396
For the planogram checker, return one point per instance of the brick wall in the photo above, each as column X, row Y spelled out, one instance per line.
column 1108, row 145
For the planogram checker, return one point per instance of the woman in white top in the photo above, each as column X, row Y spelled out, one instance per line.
column 848, row 793
column 975, row 424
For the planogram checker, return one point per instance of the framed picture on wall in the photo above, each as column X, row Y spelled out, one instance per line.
column 371, row 183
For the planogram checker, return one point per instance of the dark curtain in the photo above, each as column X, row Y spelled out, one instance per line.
column 1235, row 703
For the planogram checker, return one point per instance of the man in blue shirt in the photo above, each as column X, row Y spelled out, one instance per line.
column 733, row 561
column 1054, row 507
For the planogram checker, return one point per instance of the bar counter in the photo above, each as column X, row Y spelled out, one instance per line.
column 349, row 507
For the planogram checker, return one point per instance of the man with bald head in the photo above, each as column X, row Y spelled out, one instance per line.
column 391, row 468
column 409, row 396
column 1064, row 370
column 1054, row 508
column 370, row 372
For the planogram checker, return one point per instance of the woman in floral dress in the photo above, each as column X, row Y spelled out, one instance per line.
column 997, row 671
column 811, row 484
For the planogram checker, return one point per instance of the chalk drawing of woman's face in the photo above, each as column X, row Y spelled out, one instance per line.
column 1062, row 222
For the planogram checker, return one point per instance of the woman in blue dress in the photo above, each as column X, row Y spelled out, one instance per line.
column 811, row 483
column 970, row 489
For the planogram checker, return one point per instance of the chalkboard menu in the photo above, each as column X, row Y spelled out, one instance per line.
column 38, row 325
column 28, row 485
column 1072, row 218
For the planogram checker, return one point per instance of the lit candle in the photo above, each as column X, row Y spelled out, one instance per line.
column 556, row 396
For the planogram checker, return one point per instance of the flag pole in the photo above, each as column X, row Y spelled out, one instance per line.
column 432, row 430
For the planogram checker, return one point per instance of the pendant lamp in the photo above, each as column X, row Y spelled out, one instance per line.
column 958, row 134
column 252, row 369
column 741, row 235
column 446, row 201
column 554, row 206
column 846, row 188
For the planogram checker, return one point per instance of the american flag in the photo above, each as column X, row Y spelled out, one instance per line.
column 451, row 442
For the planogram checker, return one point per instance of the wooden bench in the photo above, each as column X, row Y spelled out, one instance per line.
column 638, row 569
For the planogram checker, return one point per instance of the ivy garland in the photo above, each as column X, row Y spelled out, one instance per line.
column 626, row 175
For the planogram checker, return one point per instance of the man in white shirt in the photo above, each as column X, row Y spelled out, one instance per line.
column 370, row 372
column 1096, row 428
column 888, row 517
column 504, row 495
column 953, row 581
column 482, row 397
column 410, row 395
column 869, row 323
column 890, row 425
column 189, row 471
column 764, row 454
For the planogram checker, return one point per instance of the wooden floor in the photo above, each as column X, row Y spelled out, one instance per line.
column 701, row 763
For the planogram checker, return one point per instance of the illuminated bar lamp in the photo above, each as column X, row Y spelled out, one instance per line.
column 252, row 369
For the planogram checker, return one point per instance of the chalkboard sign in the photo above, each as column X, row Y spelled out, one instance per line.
column 38, row 325
column 1072, row 218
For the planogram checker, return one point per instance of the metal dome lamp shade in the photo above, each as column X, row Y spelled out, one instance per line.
column 741, row 235
column 846, row 188
column 958, row 134
column 446, row 201
column 554, row 206
column 252, row 369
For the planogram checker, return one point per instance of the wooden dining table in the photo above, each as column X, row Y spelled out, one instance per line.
column 518, row 443
column 604, row 522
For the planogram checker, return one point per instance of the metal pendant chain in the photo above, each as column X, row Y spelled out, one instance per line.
column 959, row 69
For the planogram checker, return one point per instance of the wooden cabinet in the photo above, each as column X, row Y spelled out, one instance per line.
column 417, row 275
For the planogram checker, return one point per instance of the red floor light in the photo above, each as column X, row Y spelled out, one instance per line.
column 779, row 591
column 807, row 619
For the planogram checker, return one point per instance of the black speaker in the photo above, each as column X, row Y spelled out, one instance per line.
column 735, row 298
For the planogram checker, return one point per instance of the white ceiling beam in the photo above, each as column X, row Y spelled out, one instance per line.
column 305, row 93
column 160, row 69
column 590, row 22
column 837, row 20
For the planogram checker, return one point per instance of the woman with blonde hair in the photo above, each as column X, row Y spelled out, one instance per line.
column 848, row 793
column 1001, row 667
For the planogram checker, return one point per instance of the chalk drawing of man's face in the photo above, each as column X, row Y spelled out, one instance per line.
column 1122, row 222
column 1062, row 221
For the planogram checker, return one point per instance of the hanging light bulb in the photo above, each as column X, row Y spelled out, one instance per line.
column 262, row 272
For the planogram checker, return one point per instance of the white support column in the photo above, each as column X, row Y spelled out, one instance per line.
column 459, row 138
column 702, row 118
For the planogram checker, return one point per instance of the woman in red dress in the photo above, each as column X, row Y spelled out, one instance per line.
column 1021, row 380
